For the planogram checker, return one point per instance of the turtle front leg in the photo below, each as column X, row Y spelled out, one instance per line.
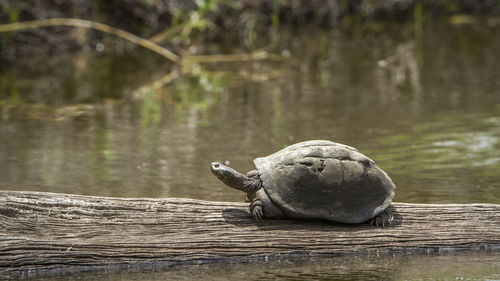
column 384, row 218
column 257, row 209
column 261, row 206
column 253, row 174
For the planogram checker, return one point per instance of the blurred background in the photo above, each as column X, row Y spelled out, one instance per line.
column 86, row 107
column 415, row 85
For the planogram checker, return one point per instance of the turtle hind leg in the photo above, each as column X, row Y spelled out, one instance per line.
column 383, row 219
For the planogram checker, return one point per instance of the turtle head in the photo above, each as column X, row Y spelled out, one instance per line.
column 223, row 173
column 234, row 179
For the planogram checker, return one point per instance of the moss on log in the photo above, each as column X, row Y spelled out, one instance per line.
column 48, row 233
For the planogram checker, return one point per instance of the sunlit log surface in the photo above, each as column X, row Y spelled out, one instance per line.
column 47, row 233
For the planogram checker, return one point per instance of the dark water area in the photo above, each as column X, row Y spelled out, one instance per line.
column 422, row 101
column 457, row 266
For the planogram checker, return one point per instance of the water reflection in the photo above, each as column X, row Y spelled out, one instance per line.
column 454, row 152
column 457, row 266
column 425, row 107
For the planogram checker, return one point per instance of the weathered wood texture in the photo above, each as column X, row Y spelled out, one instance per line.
column 46, row 233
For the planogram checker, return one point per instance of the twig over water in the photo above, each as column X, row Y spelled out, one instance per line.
column 92, row 25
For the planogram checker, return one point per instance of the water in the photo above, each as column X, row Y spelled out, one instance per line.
column 424, row 105
column 458, row 266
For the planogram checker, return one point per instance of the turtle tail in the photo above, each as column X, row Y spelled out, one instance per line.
column 235, row 179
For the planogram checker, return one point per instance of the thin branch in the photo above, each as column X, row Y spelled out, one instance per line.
column 157, row 84
column 258, row 55
column 92, row 25
column 163, row 35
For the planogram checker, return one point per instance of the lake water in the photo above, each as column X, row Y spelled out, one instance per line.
column 422, row 102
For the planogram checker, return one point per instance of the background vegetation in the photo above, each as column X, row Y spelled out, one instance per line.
column 180, row 23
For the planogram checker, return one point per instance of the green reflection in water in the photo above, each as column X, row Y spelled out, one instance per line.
column 105, row 151
column 9, row 92
column 150, row 109
column 197, row 93
column 280, row 124
column 418, row 18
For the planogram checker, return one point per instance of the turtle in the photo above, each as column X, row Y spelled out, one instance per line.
column 317, row 179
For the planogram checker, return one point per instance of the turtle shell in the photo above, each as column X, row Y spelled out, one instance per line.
column 325, row 180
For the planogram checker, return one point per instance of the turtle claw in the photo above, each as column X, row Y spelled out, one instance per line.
column 258, row 213
column 257, row 209
column 382, row 219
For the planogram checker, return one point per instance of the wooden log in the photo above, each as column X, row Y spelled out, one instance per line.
column 47, row 233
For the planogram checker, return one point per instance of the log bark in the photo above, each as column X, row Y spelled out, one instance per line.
column 48, row 233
